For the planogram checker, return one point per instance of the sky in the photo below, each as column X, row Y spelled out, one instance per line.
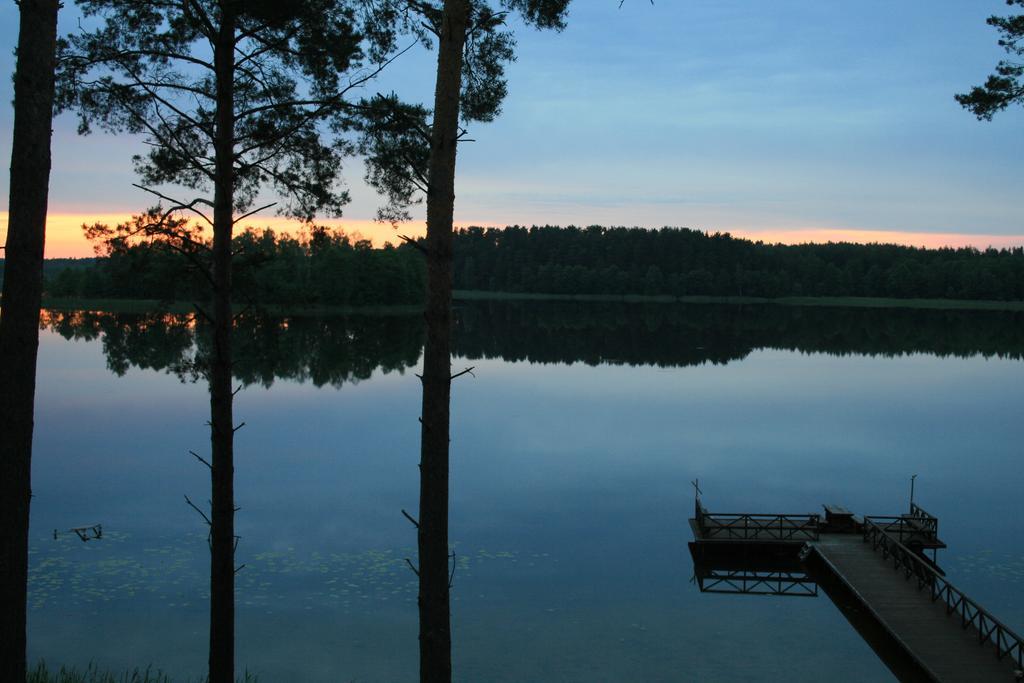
column 790, row 120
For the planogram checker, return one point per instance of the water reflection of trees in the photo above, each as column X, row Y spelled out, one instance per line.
column 691, row 334
column 330, row 350
column 339, row 349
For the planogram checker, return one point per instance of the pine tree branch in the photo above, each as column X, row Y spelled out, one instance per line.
column 201, row 459
column 201, row 513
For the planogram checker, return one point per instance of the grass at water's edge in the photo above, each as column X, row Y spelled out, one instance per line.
column 92, row 674
column 152, row 305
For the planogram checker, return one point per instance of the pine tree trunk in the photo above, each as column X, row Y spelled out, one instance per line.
column 19, row 319
column 435, row 611
column 222, row 472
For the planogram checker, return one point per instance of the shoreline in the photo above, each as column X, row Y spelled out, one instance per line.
column 153, row 305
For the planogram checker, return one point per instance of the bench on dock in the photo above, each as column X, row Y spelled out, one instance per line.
column 839, row 519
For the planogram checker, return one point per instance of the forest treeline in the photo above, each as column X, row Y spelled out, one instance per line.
column 682, row 262
column 326, row 267
column 320, row 267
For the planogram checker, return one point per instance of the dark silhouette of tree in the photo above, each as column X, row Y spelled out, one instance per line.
column 1006, row 85
column 432, row 536
column 231, row 96
column 19, row 318
column 473, row 48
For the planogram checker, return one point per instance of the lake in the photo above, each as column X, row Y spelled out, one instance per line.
column 574, row 443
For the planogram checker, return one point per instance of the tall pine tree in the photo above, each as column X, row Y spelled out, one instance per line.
column 473, row 47
column 19, row 317
column 232, row 97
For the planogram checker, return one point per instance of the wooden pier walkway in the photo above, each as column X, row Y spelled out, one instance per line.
column 942, row 648
column 876, row 572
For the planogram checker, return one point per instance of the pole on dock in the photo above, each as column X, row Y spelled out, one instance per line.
column 912, row 478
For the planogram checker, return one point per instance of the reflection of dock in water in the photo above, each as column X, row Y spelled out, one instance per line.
column 876, row 571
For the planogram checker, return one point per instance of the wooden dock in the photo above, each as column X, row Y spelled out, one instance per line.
column 877, row 573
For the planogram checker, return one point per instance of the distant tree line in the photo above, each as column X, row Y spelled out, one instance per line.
column 323, row 267
column 53, row 266
column 326, row 267
column 682, row 262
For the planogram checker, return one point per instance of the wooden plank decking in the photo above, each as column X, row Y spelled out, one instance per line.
column 944, row 650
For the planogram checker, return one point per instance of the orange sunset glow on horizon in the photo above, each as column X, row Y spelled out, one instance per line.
column 65, row 239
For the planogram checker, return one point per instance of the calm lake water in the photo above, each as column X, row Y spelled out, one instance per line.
column 573, row 448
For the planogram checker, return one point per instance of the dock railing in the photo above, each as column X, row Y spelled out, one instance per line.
column 906, row 528
column 756, row 582
column 990, row 629
column 928, row 523
column 757, row 527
